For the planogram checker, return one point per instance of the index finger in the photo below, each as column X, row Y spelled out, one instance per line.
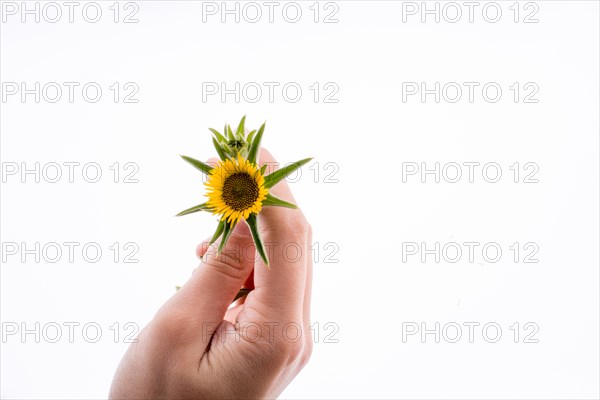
column 279, row 290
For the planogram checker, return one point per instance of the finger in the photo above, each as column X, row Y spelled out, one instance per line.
column 200, row 305
column 232, row 313
column 213, row 161
column 279, row 291
column 308, row 284
column 202, row 248
column 282, row 189
column 308, row 338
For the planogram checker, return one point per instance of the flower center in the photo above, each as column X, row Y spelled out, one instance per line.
column 240, row 191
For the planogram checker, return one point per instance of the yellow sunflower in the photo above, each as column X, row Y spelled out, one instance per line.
column 235, row 189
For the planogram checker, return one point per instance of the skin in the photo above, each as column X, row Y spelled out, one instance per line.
column 197, row 347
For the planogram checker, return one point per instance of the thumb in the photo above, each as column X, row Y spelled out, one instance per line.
column 199, row 306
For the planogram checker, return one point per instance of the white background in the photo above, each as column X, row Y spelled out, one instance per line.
column 363, row 211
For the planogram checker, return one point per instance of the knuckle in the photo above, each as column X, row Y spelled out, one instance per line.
column 228, row 263
column 229, row 268
column 288, row 352
column 307, row 353
column 169, row 326
column 298, row 226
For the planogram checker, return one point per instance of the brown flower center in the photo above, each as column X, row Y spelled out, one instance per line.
column 240, row 191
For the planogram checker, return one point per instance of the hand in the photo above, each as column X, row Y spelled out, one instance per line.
column 195, row 347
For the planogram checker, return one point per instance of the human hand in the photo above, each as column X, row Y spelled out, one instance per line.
column 198, row 347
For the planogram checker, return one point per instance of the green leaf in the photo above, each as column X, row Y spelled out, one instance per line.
column 249, row 138
column 253, row 224
column 227, row 231
column 227, row 150
column 191, row 210
column 225, row 133
column 255, row 146
column 218, row 232
column 198, row 164
column 219, row 137
column 219, row 150
column 275, row 201
column 273, row 178
column 241, row 293
column 240, row 131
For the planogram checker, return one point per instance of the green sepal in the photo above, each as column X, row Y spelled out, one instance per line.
column 271, row 200
column 198, row 164
column 263, row 169
column 227, row 231
column 218, row 232
column 273, row 178
column 191, row 210
column 227, row 149
column 219, row 150
column 253, row 224
column 239, row 134
column 255, row 145
column 230, row 133
column 225, row 133
column 218, row 135
column 250, row 137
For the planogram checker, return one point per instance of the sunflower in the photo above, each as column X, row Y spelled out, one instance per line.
column 237, row 188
